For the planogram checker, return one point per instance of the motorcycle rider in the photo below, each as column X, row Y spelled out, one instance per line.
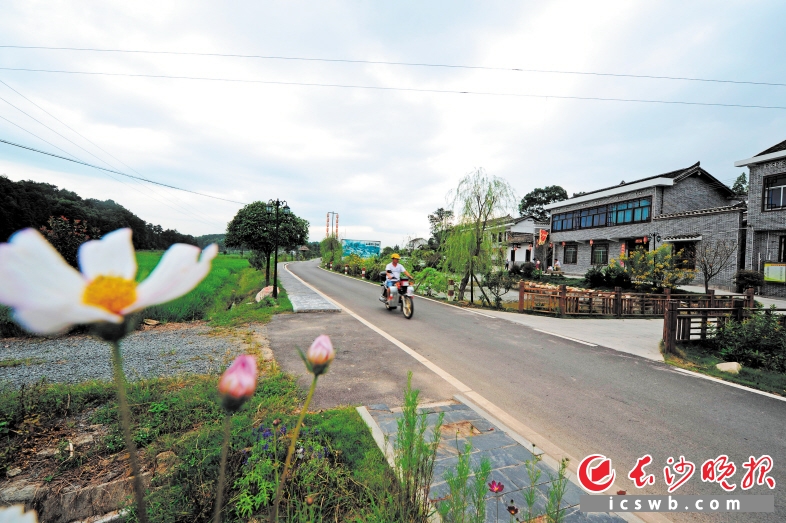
column 393, row 271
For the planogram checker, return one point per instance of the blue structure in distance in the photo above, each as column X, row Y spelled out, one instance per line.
column 363, row 248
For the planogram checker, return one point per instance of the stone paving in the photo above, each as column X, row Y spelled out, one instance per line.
column 303, row 298
column 508, row 461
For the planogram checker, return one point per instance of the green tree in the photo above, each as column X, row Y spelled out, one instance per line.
column 659, row 269
column 254, row 227
column 440, row 220
column 67, row 235
column 331, row 250
column 468, row 250
column 740, row 186
column 532, row 203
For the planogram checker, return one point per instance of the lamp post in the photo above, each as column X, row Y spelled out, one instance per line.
column 274, row 206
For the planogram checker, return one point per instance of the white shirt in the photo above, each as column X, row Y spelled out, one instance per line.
column 395, row 270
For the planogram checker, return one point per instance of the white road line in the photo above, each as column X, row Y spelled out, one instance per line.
column 565, row 337
column 729, row 383
column 553, row 452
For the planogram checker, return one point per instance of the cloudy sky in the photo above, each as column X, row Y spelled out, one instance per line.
column 383, row 159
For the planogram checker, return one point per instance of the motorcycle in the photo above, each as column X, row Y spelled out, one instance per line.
column 401, row 294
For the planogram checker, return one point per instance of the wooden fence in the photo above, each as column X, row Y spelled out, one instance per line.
column 617, row 303
column 694, row 323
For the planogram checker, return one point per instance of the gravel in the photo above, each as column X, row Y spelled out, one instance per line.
column 161, row 351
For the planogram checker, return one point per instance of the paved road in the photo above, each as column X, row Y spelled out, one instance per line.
column 587, row 399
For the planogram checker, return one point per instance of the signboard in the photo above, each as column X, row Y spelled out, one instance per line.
column 775, row 272
column 363, row 248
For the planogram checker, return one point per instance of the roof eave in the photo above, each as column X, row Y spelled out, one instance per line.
column 761, row 159
column 655, row 182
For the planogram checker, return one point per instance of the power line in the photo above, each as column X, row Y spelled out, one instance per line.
column 404, row 89
column 153, row 194
column 110, row 170
column 409, row 64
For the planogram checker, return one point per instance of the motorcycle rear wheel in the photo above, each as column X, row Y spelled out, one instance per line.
column 407, row 307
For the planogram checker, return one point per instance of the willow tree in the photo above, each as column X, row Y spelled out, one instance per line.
column 480, row 202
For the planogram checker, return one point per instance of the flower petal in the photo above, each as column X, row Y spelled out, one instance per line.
column 178, row 272
column 112, row 255
column 54, row 319
column 33, row 274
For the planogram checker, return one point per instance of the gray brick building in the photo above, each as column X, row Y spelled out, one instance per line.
column 683, row 208
column 766, row 226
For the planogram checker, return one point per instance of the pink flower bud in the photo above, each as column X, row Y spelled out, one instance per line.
column 238, row 382
column 319, row 355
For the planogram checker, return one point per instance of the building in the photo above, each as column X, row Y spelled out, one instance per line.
column 682, row 208
column 766, row 227
column 519, row 239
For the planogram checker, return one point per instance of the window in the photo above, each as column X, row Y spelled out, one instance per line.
column 782, row 250
column 600, row 254
column 775, row 192
column 633, row 211
column 562, row 221
column 571, row 254
column 629, row 212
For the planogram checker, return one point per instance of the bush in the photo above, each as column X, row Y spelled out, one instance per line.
column 757, row 342
column 498, row 284
column 594, row 277
column 747, row 279
column 430, row 281
column 527, row 269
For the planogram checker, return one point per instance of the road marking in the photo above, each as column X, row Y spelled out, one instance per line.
column 729, row 383
column 550, row 451
column 565, row 337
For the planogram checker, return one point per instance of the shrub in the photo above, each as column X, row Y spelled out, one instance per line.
column 747, row 279
column 527, row 269
column 430, row 281
column 499, row 283
column 594, row 276
column 66, row 236
column 657, row 269
column 757, row 342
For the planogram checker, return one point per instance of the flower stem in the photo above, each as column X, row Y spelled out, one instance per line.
column 291, row 451
column 223, row 467
column 125, row 422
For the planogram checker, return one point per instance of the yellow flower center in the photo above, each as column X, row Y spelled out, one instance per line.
column 111, row 293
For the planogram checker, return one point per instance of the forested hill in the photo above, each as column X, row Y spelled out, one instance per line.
column 30, row 204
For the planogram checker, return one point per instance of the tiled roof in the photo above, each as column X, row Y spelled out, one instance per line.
column 774, row 149
column 682, row 237
column 520, row 237
column 672, row 174
column 698, row 212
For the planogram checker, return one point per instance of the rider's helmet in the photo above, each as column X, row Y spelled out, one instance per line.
column 395, row 256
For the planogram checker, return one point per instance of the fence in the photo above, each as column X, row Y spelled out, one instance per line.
column 694, row 323
column 618, row 303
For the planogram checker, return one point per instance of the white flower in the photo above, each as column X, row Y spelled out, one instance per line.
column 48, row 295
column 17, row 514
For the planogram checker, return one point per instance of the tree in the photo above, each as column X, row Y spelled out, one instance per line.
column 441, row 221
column 740, row 186
column 254, row 227
column 659, row 269
column 712, row 257
column 468, row 247
column 66, row 236
column 533, row 202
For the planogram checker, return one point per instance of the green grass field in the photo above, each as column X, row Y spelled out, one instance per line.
column 225, row 297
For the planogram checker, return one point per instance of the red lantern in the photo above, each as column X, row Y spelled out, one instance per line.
column 563, row 244
column 590, row 242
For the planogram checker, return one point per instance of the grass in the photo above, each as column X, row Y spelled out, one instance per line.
column 696, row 358
column 183, row 414
column 225, row 297
column 23, row 362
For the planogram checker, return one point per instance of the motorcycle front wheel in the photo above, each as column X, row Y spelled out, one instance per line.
column 407, row 307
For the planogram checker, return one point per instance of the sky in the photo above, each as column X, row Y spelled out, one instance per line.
column 383, row 159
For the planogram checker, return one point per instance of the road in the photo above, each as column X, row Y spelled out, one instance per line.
column 587, row 400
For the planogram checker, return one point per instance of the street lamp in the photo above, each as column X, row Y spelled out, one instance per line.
column 273, row 206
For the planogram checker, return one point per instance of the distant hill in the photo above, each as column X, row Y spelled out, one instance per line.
column 206, row 239
column 30, row 204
